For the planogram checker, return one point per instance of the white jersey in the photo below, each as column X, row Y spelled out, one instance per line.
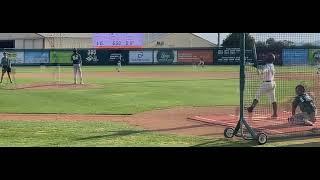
column 268, row 85
column 268, row 72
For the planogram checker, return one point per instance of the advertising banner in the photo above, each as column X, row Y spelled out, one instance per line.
column 61, row 56
column 114, row 56
column 166, row 56
column 295, row 56
column 94, row 57
column 36, row 57
column 140, row 57
column 231, row 56
column 194, row 56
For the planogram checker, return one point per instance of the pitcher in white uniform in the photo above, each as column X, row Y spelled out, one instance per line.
column 268, row 86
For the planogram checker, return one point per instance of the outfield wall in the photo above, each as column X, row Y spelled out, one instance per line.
column 111, row 56
column 184, row 56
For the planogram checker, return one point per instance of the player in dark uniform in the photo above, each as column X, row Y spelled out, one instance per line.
column 6, row 66
column 77, row 63
column 119, row 64
column 308, row 109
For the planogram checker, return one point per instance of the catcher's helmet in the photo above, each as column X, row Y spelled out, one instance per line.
column 270, row 58
column 75, row 50
column 300, row 89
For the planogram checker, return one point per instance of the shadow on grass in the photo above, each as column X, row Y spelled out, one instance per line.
column 133, row 132
column 291, row 140
column 215, row 142
column 222, row 142
column 114, row 134
column 311, row 144
column 180, row 128
column 227, row 143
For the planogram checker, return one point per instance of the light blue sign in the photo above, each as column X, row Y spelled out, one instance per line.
column 36, row 57
column 295, row 56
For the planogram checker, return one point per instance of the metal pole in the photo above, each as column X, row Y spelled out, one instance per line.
column 242, row 74
column 242, row 83
column 60, row 37
column 242, row 86
column 148, row 41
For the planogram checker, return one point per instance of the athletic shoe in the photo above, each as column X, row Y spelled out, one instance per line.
column 308, row 123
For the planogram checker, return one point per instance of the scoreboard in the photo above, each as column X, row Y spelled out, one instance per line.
column 118, row 40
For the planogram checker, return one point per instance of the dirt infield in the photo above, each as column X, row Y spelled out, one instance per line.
column 173, row 120
column 264, row 123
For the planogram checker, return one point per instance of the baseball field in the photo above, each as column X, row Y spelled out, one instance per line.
column 141, row 106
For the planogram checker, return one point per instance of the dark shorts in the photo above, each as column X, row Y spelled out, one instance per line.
column 6, row 69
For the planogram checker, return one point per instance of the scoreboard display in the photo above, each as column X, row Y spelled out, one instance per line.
column 118, row 40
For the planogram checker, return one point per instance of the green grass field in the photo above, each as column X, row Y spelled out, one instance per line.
column 80, row 134
column 115, row 95
column 121, row 95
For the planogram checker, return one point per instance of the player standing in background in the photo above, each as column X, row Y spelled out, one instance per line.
column 194, row 64
column 308, row 109
column 6, row 66
column 119, row 64
column 201, row 63
column 77, row 63
column 268, row 85
column 316, row 57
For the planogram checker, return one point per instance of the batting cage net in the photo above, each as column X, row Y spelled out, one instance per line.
column 281, row 83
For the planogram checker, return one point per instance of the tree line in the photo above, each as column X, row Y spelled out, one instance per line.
column 233, row 40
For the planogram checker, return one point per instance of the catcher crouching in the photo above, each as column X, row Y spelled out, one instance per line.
column 308, row 109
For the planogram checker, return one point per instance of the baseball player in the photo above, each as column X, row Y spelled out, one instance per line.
column 316, row 57
column 201, row 63
column 308, row 108
column 77, row 63
column 6, row 66
column 268, row 85
column 119, row 65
